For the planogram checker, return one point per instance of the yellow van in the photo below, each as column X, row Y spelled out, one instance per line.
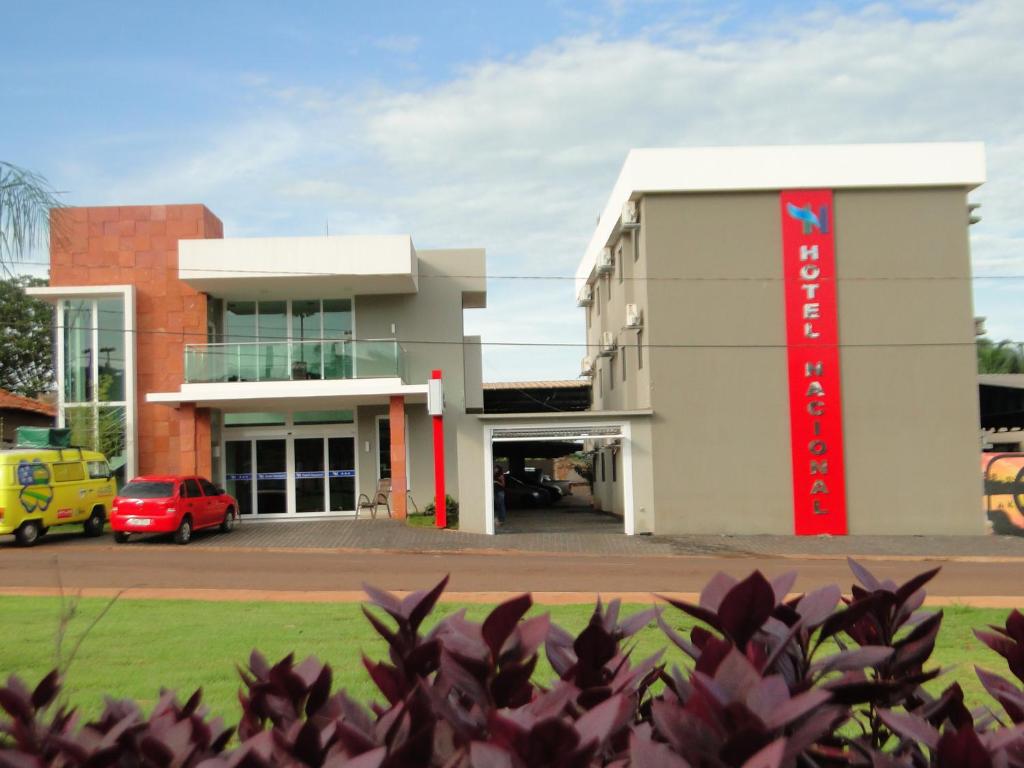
column 44, row 487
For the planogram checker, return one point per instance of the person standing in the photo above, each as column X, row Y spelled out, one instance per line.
column 499, row 494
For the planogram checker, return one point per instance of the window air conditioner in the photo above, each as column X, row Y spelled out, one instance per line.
column 634, row 317
column 630, row 218
column 587, row 366
column 605, row 262
column 607, row 344
column 586, row 296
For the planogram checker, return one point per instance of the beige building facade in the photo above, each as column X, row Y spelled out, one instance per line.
column 684, row 293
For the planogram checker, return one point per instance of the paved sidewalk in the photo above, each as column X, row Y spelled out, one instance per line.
column 577, row 532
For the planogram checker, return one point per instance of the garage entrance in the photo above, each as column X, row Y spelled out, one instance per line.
column 514, row 444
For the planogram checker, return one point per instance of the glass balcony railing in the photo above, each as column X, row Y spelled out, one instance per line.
column 294, row 360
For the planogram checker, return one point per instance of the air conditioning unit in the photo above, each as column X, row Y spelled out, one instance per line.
column 586, row 296
column 634, row 317
column 630, row 218
column 605, row 262
column 587, row 366
column 607, row 344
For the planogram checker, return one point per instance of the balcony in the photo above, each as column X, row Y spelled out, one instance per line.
column 294, row 361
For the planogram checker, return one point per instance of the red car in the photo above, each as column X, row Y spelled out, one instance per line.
column 178, row 504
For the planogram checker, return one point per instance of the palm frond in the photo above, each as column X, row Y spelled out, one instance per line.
column 25, row 202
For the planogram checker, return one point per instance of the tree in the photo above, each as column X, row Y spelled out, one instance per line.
column 1000, row 356
column 25, row 202
column 26, row 343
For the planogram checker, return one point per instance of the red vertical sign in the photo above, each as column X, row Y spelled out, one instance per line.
column 812, row 339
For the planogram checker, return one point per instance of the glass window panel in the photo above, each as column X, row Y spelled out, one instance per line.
column 110, row 319
column 323, row 417
column 253, row 419
column 81, row 422
column 239, row 359
column 77, row 351
column 309, row 474
column 337, row 318
column 341, row 464
column 271, row 477
column 337, row 357
column 305, row 320
column 240, row 321
column 111, row 430
column 272, row 320
column 238, row 473
column 384, row 447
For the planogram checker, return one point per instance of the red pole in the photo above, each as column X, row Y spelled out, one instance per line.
column 441, row 510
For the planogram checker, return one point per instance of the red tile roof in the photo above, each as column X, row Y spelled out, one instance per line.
column 12, row 402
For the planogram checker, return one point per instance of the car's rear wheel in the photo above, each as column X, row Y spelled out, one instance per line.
column 29, row 533
column 121, row 537
column 94, row 525
column 184, row 533
column 230, row 520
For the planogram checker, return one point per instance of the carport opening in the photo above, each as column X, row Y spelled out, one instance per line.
column 569, row 480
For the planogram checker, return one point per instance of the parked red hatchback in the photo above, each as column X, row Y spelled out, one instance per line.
column 178, row 504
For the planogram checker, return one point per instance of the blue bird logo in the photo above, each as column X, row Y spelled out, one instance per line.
column 809, row 218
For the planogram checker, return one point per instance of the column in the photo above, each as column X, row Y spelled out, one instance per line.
column 399, row 489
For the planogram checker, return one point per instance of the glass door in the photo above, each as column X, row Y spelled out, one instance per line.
column 271, row 477
column 309, row 474
column 342, row 463
column 238, row 473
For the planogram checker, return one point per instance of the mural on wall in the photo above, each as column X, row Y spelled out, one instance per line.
column 1004, row 491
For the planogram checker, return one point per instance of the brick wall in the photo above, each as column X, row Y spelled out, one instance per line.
column 138, row 245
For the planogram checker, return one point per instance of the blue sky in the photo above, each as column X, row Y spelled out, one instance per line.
column 500, row 125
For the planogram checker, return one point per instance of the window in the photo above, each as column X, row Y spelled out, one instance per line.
column 292, row 336
column 91, row 347
column 639, row 349
column 624, row 366
column 611, row 372
column 182, row 494
column 384, row 448
column 209, row 489
column 603, row 476
column 597, row 298
column 147, row 490
column 618, row 262
column 636, row 247
column 615, row 477
column 98, row 470
column 192, row 487
column 68, row 472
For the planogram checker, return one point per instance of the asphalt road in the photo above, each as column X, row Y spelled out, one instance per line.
column 164, row 567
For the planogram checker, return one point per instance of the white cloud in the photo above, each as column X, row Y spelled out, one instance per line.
column 519, row 155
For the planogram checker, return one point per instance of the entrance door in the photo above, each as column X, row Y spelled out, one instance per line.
column 309, row 474
column 271, row 477
column 342, row 461
column 238, row 473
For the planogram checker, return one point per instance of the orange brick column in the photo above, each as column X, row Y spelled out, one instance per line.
column 399, row 489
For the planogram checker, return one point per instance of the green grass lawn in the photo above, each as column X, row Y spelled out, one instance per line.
column 143, row 645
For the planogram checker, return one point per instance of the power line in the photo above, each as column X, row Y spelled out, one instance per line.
column 552, row 344
column 632, row 278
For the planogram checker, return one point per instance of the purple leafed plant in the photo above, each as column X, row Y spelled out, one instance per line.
column 773, row 680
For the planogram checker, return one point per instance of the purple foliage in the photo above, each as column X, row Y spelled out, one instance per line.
column 773, row 681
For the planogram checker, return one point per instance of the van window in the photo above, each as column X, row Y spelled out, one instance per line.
column 98, row 470
column 68, row 472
